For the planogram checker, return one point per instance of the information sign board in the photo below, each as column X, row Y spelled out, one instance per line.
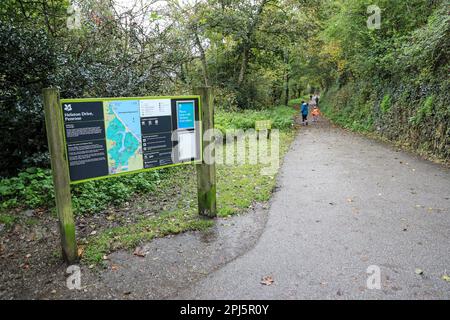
column 112, row 136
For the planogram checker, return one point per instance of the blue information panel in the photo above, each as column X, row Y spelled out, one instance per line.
column 186, row 114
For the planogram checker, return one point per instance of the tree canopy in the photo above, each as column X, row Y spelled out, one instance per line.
column 254, row 53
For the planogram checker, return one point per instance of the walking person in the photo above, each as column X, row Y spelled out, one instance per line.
column 304, row 111
column 315, row 113
column 312, row 101
column 316, row 99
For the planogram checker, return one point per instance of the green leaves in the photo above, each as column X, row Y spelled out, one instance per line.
column 385, row 105
column 423, row 112
column 33, row 188
column 281, row 116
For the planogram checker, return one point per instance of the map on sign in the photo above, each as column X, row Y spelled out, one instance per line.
column 106, row 137
column 123, row 136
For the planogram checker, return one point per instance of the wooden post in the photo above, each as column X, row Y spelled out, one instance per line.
column 206, row 173
column 60, row 172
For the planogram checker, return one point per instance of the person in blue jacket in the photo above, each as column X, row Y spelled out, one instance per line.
column 305, row 111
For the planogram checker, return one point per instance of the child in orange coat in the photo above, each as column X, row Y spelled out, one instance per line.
column 315, row 113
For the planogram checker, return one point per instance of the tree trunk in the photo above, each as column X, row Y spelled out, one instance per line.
column 286, row 89
column 286, row 79
column 248, row 42
column 202, row 57
column 243, row 69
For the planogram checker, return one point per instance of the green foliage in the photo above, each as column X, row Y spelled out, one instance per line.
column 424, row 111
column 112, row 191
column 7, row 219
column 247, row 179
column 348, row 109
column 102, row 58
column 33, row 188
column 385, row 105
column 393, row 80
column 26, row 60
column 282, row 118
column 255, row 54
column 145, row 230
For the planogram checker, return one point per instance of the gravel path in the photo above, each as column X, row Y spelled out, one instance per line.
column 345, row 203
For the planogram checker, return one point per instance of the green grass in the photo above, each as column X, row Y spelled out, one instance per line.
column 298, row 101
column 33, row 188
column 129, row 236
column 424, row 112
column 281, row 116
column 355, row 115
column 238, row 187
column 7, row 219
column 386, row 103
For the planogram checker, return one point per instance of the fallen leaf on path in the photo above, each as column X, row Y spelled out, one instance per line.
column 114, row 267
column 80, row 251
column 419, row 271
column 139, row 252
column 446, row 277
column 267, row 280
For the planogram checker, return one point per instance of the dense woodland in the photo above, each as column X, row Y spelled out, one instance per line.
column 256, row 54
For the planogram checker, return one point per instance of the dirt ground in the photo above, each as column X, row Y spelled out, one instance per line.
column 33, row 269
column 342, row 202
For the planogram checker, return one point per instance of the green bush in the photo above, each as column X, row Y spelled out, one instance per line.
column 385, row 105
column 33, row 188
column 423, row 112
column 282, row 118
column 395, row 83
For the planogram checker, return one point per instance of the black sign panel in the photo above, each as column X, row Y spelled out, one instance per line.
column 87, row 160
column 85, row 136
column 106, row 137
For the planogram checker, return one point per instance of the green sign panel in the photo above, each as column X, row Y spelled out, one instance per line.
column 113, row 136
column 263, row 125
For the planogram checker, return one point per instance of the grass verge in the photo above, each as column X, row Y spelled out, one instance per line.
column 238, row 186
